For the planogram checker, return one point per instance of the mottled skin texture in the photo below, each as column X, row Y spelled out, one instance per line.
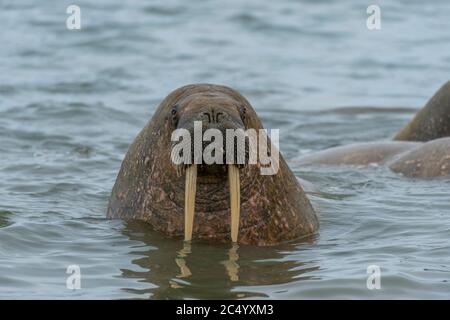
column 421, row 149
column 432, row 121
column 149, row 187
column 432, row 159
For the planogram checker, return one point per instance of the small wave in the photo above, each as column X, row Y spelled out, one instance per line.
column 5, row 218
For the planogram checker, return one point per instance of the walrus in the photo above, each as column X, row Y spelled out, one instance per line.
column 213, row 202
column 432, row 121
column 421, row 149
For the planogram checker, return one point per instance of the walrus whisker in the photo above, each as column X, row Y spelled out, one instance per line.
column 235, row 200
column 189, row 201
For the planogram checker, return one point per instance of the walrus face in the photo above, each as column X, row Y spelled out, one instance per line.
column 197, row 115
column 233, row 196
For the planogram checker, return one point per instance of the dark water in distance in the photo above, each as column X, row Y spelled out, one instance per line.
column 72, row 101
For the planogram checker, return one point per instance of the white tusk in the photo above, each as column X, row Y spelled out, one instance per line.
column 189, row 201
column 235, row 200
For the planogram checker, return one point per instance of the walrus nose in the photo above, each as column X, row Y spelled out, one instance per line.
column 213, row 116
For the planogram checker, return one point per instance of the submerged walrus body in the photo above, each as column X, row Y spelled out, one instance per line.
column 420, row 149
column 211, row 202
column 412, row 159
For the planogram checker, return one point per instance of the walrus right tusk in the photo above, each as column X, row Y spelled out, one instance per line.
column 189, row 201
column 235, row 200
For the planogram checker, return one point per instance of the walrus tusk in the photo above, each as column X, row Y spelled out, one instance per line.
column 235, row 199
column 189, row 201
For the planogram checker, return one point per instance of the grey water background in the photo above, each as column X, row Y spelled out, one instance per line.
column 72, row 101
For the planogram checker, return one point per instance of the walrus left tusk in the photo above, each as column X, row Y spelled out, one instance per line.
column 235, row 200
column 189, row 201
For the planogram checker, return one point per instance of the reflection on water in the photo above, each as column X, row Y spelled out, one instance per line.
column 72, row 102
column 185, row 272
column 5, row 218
column 175, row 269
column 231, row 264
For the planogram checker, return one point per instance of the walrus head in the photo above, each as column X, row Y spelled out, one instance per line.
column 210, row 111
column 204, row 200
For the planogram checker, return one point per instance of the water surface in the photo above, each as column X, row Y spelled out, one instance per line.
column 72, row 101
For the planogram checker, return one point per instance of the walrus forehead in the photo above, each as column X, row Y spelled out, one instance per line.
column 198, row 101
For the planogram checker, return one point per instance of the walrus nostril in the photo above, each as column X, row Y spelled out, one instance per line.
column 208, row 115
column 217, row 116
column 213, row 117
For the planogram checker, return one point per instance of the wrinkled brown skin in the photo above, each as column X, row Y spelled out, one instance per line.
column 421, row 149
column 274, row 209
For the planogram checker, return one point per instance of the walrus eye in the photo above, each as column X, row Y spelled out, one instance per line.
column 242, row 111
column 174, row 115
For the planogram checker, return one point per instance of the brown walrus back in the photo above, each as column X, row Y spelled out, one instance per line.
column 432, row 121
